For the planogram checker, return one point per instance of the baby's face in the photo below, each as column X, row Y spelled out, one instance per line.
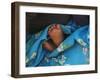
column 56, row 36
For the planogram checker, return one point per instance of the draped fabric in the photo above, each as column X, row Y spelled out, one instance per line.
column 74, row 50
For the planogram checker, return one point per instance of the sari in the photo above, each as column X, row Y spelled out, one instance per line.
column 74, row 50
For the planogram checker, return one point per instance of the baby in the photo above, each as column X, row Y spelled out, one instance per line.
column 56, row 36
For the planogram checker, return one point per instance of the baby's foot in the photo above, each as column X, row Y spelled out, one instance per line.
column 56, row 34
column 49, row 45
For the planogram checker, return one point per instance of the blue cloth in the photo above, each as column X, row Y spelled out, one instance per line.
column 74, row 50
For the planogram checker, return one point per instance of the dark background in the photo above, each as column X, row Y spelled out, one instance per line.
column 38, row 21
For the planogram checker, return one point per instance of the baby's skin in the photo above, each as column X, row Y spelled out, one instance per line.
column 56, row 37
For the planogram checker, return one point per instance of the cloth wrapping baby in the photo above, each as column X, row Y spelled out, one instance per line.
column 59, row 45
